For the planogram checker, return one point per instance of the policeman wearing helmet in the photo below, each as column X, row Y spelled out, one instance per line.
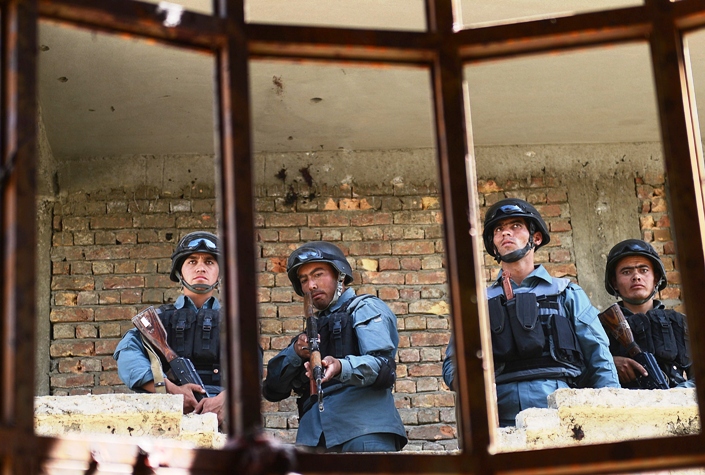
column 548, row 335
column 635, row 273
column 193, row 328
column 358, row 343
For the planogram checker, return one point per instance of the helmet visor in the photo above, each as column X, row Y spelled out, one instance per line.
column 200, row 243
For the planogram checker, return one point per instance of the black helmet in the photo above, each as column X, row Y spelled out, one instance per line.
column 317, row 251
column 199, row 241
column 511, row 208
column 633, row 247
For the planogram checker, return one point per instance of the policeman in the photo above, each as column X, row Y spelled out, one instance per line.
column 548, row 335
column 634, row 273
column 193, row 329
column 358, row 342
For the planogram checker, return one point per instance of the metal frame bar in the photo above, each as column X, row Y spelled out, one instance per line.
column 444, row 52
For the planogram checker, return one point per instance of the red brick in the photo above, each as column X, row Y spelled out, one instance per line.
column 110, row 379
column 399, row 308
column 441, row 399
column 370, row 248
column 79, row 365
column 72, row 380
column 560, row 255
column 152, row 251
column 419, row 370
column 662, row 235
column 283, row 220
column 409, row 355
column 60, row 268
column 119, row 282
column 72, row 348
column 389, row 278
column 72, row 314
column 103, row 314
column 426, row 277
column 65, row 299
column 130, row 296
column 429, row 339
column 389, row 263
column 388, row 293
column 549, row 211
column 60, row 282
column 106, row 347
column 328, row 220
column 86, row 331
column 411, row 263
column 154, row 221
column 203, row 221
column 556, row 196
column 560, row 225
column 670, row 293
column 105, row 253
column 110, row 222
column 415, row 218
column 371, row 219
column 488, row 186
column 431, row 432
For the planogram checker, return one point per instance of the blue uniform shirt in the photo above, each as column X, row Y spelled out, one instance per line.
column 600, row 371
column 133, row 364
column 356, row 409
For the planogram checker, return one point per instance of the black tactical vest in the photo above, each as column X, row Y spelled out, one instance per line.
column 339, row 339
column 195, row 335
column 664, row 333
column 533, row 339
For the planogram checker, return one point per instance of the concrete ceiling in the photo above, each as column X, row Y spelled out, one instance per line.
column 107, row 96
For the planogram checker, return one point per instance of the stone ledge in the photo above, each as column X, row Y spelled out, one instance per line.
column 126, row 415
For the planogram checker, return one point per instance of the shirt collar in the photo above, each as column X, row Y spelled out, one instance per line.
column 184, row 301
column 657, row 305
column 539, row 273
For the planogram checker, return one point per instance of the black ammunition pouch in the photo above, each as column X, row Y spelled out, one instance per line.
column 531, row 338
column 665, row 334
column 195, row 335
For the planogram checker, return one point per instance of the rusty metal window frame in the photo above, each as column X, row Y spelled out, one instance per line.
column 444, row 51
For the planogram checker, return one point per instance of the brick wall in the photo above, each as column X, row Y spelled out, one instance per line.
column 111, row 254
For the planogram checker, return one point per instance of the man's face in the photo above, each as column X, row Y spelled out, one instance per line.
column 634, row 277
column 321, row 279
column 511, row 234
column 200, row 268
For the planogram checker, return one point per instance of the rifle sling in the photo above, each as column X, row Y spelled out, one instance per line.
column 157, row 372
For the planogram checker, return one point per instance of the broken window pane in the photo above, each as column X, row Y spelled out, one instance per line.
column 576, row 136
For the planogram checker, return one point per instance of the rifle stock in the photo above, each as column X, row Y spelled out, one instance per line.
column 507, row 285
column 314, row 349
column 616, row 324
column 150, row 326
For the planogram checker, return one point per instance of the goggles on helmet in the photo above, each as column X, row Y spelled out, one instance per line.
column 200, row 243
column 307, row 255
column 507, row 210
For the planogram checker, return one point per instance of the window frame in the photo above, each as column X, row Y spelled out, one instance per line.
column 444, row 51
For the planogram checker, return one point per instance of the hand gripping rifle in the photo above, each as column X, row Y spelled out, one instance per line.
column 614, row 322
column 314, row 350
column 154, row 334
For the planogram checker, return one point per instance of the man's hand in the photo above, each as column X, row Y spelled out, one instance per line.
column 628, row 369
column 301, row 347
column 215, row 404
column 187, row 391
column 331, row 368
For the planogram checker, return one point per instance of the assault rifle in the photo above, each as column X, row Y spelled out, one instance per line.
column 314, row 350
column 614, row 322
column 150, row 326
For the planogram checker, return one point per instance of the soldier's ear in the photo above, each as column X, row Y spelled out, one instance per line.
column 538, row 238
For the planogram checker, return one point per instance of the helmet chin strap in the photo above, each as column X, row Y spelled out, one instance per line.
column 198, row 288
column 516, row 255
column 338, row 291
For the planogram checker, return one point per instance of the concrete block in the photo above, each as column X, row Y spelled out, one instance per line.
column 120, row 414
